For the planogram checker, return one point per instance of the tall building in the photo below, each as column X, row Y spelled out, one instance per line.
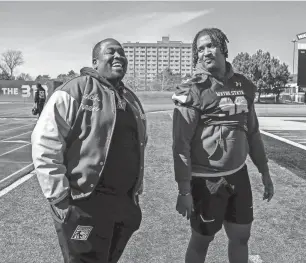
column 148, row 59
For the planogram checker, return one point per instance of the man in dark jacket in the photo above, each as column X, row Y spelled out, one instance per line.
column 88, row 152
column 39, row 98
column 214, row 129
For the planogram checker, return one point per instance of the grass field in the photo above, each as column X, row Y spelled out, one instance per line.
column 156, row 101
column 27, row 234
column 278, row 235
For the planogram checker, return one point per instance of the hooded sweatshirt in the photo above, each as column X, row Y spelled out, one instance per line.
column 215, row 126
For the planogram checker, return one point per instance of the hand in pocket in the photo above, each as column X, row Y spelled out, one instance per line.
column 61, row 209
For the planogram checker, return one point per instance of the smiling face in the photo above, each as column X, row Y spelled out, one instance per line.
column 111, row 62
column 210, row 56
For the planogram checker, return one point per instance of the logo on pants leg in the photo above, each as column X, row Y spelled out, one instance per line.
column 81, row 232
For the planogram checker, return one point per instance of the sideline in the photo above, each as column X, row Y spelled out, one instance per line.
column 15, row 173
column 16, row 184
column 303, row 147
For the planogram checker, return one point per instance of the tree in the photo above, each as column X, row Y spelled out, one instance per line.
column 163, row 80
column 24, row 76
column 242, row 63
column 10, row 60
column 132, row 81
column 65, row 77
column 72, row 74
column 4, row 75
column 266, row 72
column 42, row 79
column 280, row 77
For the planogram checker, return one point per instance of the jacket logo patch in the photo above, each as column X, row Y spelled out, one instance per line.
column 238, row 84
column 82, row 232
column 94, row 98
column 89, row 108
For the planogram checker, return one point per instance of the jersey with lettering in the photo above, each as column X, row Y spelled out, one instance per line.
column 216, row 119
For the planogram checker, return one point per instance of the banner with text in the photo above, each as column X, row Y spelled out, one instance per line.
column 23, row 91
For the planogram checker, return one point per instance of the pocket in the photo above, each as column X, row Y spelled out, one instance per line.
column 216, row 153
column 56, row 216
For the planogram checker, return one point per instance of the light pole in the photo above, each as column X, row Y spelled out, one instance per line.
column 293, row 41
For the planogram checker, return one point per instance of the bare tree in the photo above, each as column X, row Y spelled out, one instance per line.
column 25, row 76
column 10, row 60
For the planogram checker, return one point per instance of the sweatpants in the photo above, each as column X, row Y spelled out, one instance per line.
column 97, row 229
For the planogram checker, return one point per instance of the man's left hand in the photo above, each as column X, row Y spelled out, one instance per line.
column 268, row 186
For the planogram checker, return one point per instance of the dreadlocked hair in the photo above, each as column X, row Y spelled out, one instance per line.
column 218, row 39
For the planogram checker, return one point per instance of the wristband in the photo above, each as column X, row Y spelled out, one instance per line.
column 184, row 194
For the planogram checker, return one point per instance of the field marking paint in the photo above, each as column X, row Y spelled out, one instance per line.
column 255, row 259
column 11, row 175
column 284, row 140
column 17, row 128
column 1, row 161
column 20, row 141
column 14, row 149
column 4, row 140
column 15, row 184
column 161, row 111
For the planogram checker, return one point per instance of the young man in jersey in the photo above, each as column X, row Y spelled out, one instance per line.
column 88, row 151
column 39, row 98
column 214, row 129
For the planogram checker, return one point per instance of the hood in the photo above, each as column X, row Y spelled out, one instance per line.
column 87, row 71
column 199, row 70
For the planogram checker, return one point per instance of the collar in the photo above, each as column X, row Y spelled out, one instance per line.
column 87, row 71
column 200, row 70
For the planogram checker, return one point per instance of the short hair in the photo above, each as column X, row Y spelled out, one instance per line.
column 97, row 48
column 38, row 85
column 217, row 37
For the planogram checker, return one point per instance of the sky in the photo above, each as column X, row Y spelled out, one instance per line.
column 56, row 37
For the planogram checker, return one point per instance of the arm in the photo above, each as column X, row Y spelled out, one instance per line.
column 257, row 150
column 185, row 121
column 49, row 144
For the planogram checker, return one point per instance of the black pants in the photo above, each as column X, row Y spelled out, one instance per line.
column 97, row 229
column 232, row 202
column 40, row 107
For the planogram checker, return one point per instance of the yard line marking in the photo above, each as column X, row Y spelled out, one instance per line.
column 15, row 184
column 161, row 111
column 1, row 161
column 17, row 128
column 14, row 149
column 4, row 140
column 284, row 140
column 11, row 175
column 10, row 123
column 20, row 141
column 255, row 259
